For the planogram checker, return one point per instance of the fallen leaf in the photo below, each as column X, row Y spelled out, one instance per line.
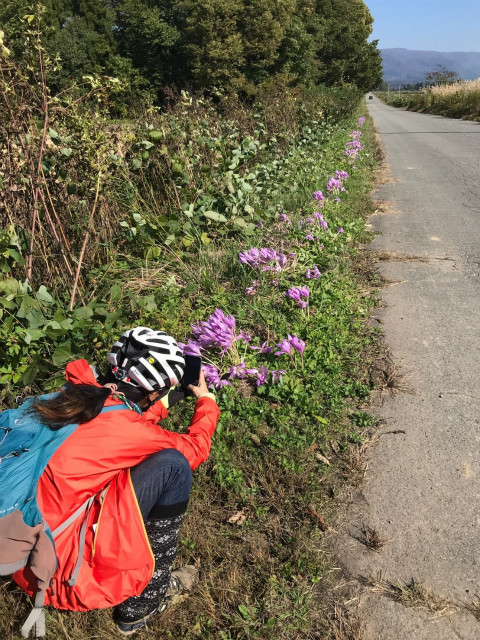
column 321, row 458
column 238, row 518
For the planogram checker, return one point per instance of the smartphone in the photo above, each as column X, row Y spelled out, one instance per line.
column 191, row 374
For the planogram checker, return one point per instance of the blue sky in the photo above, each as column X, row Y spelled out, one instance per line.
column 435, row 25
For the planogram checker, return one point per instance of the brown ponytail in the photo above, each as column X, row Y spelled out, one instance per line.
column 74, row 404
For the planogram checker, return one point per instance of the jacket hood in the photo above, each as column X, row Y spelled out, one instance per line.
column 80, row 372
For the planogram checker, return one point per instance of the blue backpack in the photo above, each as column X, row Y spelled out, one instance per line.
column 26, row 446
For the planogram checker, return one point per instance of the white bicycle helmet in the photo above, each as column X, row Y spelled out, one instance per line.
column 147, row 358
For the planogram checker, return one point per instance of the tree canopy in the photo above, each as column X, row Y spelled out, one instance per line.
column 206, row 44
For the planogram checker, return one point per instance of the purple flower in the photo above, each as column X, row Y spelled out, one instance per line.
column 252, row 289
column 246, row 337
column 309, row 236
column 318, row 215
column 191, row 348
column 284, row 218
column 299, row 295
column 313, row 273
column 361, row 121
column 277, row 374
column 354, row 145
column 340, row 230
column 212, row 377
column 259, row 224
column 341, row 175
column 324, row 224
column 217, row 331
column 333, row 184
column 285, row 348
column 263, row 348
column 258, row 257
column 356, row 134
column 318, row 195
column 297, row 344
column 275, row 283
column 237, row 371
column 262, row 376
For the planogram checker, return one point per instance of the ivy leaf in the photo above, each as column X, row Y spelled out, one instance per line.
column 30, row 373
column 62, row 354
column 83, row 313
column 115, row 293
column 213, row 215
column 42, row 295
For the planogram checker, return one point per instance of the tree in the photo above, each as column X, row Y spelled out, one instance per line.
column 210, row 43
column 441, row 76
column 347, row 57
column 302, row 42
column 147, row 34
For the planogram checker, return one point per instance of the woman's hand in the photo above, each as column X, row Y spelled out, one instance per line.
column 201, row 389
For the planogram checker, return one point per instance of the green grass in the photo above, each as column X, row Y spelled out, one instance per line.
column 266, row 578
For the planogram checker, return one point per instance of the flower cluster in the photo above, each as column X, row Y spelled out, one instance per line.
column 284, row 218
column 260, row 374
column 356, row 134
column 269, row 259
column 287, row 344
column 217, row 331
column 318, row 195
column 299, row 295
column 361, row 121
column 353, row 148
column 313, row 273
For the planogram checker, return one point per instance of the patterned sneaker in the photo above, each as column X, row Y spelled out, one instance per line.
column 129, row 621
column 133, row 614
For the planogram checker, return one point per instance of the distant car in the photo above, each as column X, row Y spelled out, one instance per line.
column 370, row 97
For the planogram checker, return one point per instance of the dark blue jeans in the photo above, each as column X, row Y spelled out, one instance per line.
column 162, row 484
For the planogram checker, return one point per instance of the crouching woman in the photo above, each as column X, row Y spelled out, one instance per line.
column 116, row 491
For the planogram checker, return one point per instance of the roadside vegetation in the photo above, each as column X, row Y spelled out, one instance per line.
column 235, row 223
column 455, row 100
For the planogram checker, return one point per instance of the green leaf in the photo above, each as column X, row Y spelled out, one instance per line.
column 53, row 134
column 147, row 144
column 115, row 293
column 67, row 152
column 244, row 611
column 155, row 136
column 32, row 335
column 62, row 354
column 30, row 373
column 213, row 215
column 42, row 295
column 83, row 313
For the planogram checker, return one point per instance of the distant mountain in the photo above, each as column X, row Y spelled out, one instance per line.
column 404, row 66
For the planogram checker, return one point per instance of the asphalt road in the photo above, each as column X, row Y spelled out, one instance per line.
column 422, row 487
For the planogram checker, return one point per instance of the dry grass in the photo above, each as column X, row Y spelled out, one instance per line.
column 345, row 625
column 446, row 90
column 371, row 538
column 394, row 256
column 411, row 594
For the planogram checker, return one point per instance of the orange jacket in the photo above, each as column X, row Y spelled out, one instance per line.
column 117, row 560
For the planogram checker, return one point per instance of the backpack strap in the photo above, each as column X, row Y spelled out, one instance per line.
column 36, row 618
